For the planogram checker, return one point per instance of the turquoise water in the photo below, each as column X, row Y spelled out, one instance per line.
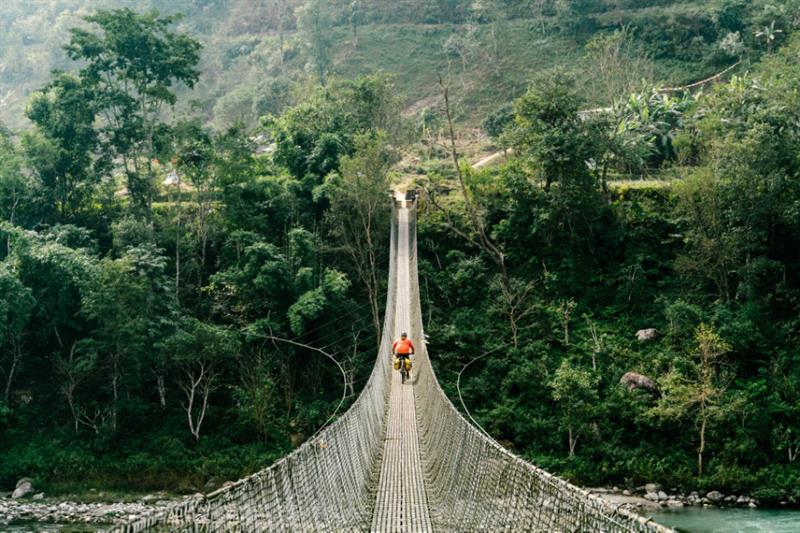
column 710, row 520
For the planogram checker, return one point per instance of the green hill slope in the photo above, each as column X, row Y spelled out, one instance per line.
column 490, row 54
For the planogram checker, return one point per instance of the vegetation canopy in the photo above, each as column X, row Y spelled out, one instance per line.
column 194, row 212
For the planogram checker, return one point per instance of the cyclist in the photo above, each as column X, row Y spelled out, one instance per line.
column 402, row 349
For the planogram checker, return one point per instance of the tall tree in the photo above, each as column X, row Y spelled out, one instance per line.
column 197, row 351
column 16, row 190
column 130, row 305
column 575, row 391
column 315, row 23
column 133, row 65
column 16, row 307
column 62, row 150
column 359, row 213
column 699, row 391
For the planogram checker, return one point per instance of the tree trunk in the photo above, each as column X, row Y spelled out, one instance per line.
column 483, row 239
column 162, row 391
column 201, row 385
column 573, row 441
column 14, row 362
column 702, row 447
column 178, row 242
column 115, row 390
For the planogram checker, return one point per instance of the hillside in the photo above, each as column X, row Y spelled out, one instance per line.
column 489, row 54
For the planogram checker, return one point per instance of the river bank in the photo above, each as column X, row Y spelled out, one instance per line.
column 17, row 512
column 653, row 496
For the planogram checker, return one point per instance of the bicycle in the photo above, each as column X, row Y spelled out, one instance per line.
column 403, row 364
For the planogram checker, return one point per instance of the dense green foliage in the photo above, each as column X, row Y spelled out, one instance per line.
column 709, row 259
column 172, row 214
column 150, row 269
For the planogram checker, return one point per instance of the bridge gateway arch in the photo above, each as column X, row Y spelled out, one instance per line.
column 401, row 459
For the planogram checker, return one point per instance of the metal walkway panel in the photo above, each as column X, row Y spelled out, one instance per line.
column 401, row 503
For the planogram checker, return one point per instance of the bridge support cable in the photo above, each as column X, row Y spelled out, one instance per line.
column 474, row 484
column 401, row 459
column 327, row 484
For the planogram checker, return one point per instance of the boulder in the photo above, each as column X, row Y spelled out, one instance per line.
column 674, row 503
column 635, row 381
column 752, row 505
column 24, row 488
column 662, row 495
column 648, row 334
column 652, row 496
column 626, row 492
column 297, row 439
column 651, row 487
column 715, row 496
column 39, row 496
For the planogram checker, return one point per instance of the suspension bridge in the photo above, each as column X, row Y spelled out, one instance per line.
column 401, row 459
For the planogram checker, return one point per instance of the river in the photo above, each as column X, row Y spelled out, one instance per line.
column 713, row 520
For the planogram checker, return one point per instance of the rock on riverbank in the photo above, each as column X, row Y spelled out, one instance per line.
column 15, row 510
column 652, row 496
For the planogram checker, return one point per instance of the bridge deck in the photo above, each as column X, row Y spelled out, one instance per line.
column 401, row 503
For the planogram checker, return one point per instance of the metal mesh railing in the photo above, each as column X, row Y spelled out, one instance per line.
column 474, row 484
column 329, row 483
column 325, row 485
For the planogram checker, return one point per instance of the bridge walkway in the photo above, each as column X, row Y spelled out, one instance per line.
column 401, row 502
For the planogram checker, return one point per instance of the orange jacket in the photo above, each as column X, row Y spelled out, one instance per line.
column 403, row 347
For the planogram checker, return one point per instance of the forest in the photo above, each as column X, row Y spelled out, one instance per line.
column 194, row 219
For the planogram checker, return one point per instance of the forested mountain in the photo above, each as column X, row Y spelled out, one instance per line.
column 194, row 216
column 258, row 54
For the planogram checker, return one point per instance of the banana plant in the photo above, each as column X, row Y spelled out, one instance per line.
column 768, row 34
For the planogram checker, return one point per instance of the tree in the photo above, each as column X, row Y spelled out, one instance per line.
column 359, row 215
column 548, row 130
column 697, row 389
column 315, row 24
column 281, row 15
column 16, row 308
column 310, row 138
column 197, row 351
column 356, row 16
column 16, row 192
column 195, row 161
column 131, row 67
column 130, row 305
column 257, row 389
column 312, row 304
column 712, row 251
column 539, row 11
column 490, row 13
column 575, row 392
column 62, row 150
